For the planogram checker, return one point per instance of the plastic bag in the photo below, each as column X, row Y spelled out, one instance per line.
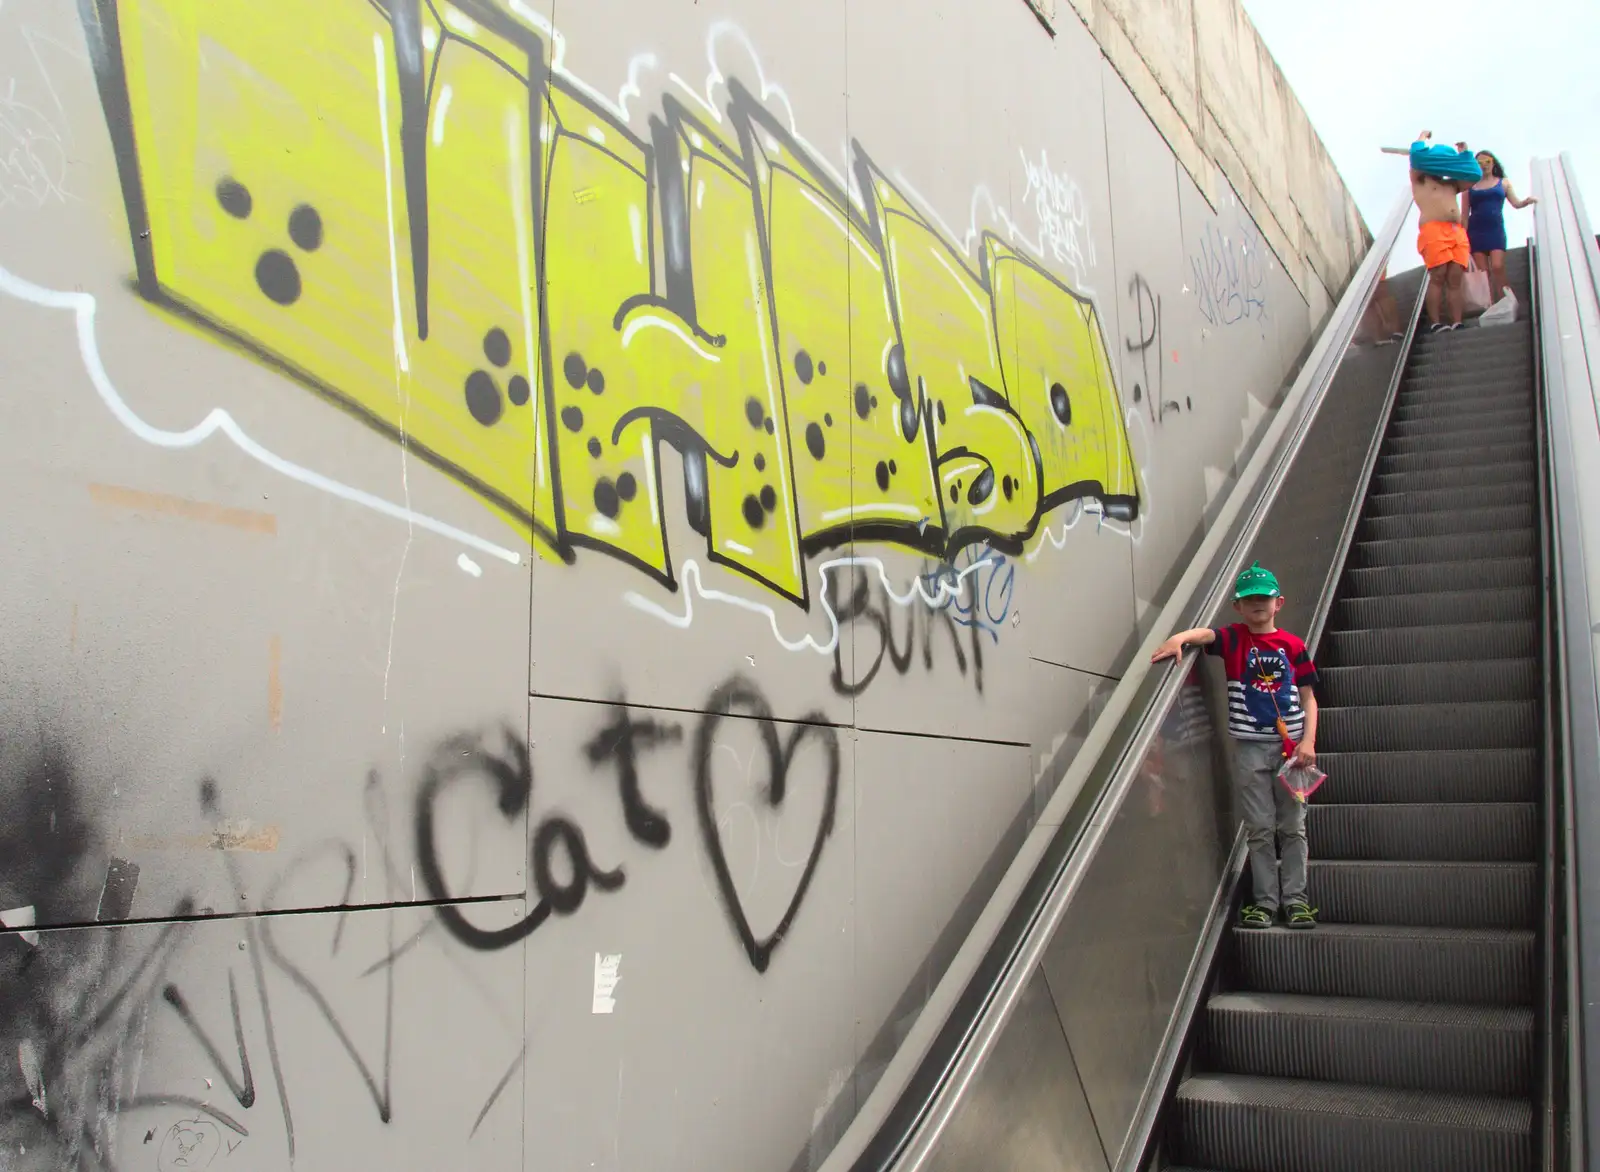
column 1474, row 291
column 1300, row 780
column 1502, row 312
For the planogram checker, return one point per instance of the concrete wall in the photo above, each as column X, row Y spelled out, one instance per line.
column 546, row 570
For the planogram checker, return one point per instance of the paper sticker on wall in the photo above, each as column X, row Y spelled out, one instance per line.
column 607, row 974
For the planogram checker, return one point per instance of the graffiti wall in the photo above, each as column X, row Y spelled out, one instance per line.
column 553, row 554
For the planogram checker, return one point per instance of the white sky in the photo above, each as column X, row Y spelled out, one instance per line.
column 1521, row 78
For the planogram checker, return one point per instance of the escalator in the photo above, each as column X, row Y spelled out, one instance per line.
column 1429, row 496
column 1401, row 1033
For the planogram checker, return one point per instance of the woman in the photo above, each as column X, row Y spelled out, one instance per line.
column 1483, row 207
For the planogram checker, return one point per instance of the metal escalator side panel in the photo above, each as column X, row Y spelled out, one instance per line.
column 1569, row 356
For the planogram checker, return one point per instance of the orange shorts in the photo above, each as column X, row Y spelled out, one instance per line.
column 1443, row 242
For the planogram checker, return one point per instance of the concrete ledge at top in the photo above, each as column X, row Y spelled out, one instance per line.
column 1203, row 76
column 1172, row 116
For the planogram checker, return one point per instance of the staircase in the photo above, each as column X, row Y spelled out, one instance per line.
column 1398, row 1036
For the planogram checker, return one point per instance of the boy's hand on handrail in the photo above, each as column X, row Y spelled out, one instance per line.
column 1173, row 647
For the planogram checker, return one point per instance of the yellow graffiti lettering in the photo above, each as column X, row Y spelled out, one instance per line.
column 596, row 258
column 988, row 475
column 474, row 344
column 269, row 207
column 863, row 471
column 1058, row 376
column 485, row 263
column 750, row 493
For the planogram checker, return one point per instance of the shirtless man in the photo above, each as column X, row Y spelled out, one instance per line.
column 1442, row 238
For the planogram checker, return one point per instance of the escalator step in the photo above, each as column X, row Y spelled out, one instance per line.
column 1426, row 609
column 1422, row 402
column 1493, row 724
column 1426, row 894
column 1456, row 421
column 1467, row 341
column 1519, row 404
column 1516, row 543
column 1479, row 475
column 1455, row 457
column 1442, row 644
column 1445, row 499
column 1472, row 345
column 1473, row 349
column 1483, row 832
column 1486, row 574
column 1485, row 356
column 1461, row 384
column 1473, row 966
column 1453, row 1049
column 1456, row 775
column 1476, row 438
column 1460, row 520
column 1466, row 378
column 1429, row 683
column 1294, row 1125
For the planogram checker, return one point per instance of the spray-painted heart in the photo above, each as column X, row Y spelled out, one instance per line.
column 739, row 696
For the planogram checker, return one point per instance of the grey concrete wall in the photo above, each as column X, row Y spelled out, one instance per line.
column 551, row 553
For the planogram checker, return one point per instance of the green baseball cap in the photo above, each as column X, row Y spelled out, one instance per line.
column 1256, row 583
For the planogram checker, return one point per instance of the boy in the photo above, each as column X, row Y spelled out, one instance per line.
column 1270, row 676
column 1438, row 177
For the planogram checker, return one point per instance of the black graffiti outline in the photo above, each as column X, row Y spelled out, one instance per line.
column 862, row 605
column 382, row 1099
column 243, row 1087
column 741, row 693
column 511, row 773
column 620, row 741
column 1153, row 390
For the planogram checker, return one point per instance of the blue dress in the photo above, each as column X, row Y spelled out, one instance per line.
column 1486, row 226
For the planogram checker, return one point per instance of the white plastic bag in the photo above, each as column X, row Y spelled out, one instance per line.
column 1501, row 313
column 1300, row 780
column 1474, row 290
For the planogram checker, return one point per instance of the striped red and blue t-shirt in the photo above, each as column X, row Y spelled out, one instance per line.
column 1265, row 675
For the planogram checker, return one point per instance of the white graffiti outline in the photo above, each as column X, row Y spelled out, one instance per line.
column 1063, row 213
column 693, row 585
column 997, row 215
column 83, row 308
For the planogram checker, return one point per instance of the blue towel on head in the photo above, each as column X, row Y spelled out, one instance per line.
column 1445, row 162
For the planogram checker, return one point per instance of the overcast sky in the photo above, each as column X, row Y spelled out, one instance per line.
column 1521, row 78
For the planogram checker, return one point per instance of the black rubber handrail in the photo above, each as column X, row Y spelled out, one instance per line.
column 1552, row 936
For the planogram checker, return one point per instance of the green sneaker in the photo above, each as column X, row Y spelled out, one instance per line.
column 1300, row 915
column 1251, row 916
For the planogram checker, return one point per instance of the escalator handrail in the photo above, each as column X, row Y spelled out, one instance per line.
column 1560, row 226
column 901, row 1119
column 1554, row 904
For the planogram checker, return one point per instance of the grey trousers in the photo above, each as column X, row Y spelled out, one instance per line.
column 1269, row 810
